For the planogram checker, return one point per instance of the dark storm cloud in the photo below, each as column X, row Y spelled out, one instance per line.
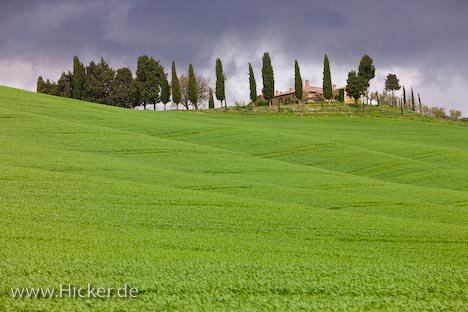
column 424, row 41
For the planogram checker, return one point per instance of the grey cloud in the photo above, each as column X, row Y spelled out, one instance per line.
column 423, row 39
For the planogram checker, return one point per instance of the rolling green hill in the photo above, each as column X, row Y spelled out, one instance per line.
column 226, row 211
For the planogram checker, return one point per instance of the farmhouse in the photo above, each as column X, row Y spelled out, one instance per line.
column 312, row 94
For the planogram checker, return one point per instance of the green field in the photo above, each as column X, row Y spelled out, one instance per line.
column 231, row 211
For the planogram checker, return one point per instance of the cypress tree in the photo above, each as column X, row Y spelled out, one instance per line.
column 140, row 80
column 98, row 82
column 148, row 81
column 78, row 78
column 220, row 79
column 192, row 87
column 165, row 89
column 367, row 69
column 123, row 89
column 40, row 87
column 268, row 79
column 90, row 85
column 297, row 82
column 50, row 87
column 211, row 100
column 404, row 96
column 420, row 105
column 64, row 85
column 327, row 82
column 413, row 106
column 154, row 81
column 175, row 85
column 253, row 85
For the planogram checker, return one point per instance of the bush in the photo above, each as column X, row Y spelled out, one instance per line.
column 340, row 97
column 318, row 99
column 438, row 112
column 455, row 114
column 425, row 109
column 261, row 103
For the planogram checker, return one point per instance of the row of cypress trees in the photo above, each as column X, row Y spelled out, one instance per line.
column 98, row 82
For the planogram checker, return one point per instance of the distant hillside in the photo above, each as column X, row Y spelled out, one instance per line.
column 231, row 211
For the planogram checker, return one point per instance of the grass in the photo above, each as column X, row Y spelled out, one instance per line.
column 231, row 211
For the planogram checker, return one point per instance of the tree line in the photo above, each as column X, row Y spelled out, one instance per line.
column 100, row 83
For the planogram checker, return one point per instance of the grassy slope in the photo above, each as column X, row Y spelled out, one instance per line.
column 230, row 211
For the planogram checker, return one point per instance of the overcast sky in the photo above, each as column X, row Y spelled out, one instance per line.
column 425, row 42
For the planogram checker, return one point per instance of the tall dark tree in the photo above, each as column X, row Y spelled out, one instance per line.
column 355, row 85
column 64, row 85
column 90, row 85
column 404, row 96
column 78, row 78
column 41, row 85
column 253, row 85
column 211, row 100
column 50, row 87
column 420, row 104
column 155, row 80
column 47, row 86
column 98, row 82
column 192, row 87
column 175, row 86
column 367, row 69
column 268, row 79
column 413, row 104
column 220, row 80
column 392, row 84
column 165, row 89
column 327, row 82
column 148, row 81
column 297, row 82
column 123, row 88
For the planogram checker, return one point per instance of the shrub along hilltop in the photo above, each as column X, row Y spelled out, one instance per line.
column 211, row 211
column 350, row 110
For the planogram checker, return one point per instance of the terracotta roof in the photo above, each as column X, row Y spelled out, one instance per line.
column 307, row 88
column 313, row 89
